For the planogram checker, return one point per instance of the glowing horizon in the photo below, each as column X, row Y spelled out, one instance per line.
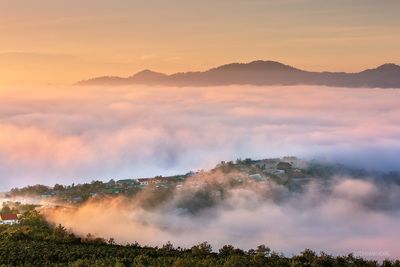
column 60, row 42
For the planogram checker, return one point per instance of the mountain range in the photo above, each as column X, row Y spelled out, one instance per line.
column 260, row 73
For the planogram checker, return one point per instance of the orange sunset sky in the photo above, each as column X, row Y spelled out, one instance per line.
column 60, row 42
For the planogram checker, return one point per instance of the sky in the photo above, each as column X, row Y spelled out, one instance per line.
column 61, row 42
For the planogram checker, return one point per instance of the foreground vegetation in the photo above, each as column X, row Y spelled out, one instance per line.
column 34, row 242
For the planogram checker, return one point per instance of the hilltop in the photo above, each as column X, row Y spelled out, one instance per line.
column 291, row 172
column 286, row 171
column 259, row 73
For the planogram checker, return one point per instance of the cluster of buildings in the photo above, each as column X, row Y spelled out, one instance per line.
column 286, row 169
column 280, row 167
column 158, row 181
column 283, row 170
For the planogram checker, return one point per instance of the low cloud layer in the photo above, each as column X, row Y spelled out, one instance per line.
column 340, row 215
column 73, row 134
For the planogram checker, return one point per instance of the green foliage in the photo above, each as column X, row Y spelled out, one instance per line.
column 30, row 190
column 201, row 250
column 237, row 261
column 5, row 209
column 229, row 250
column 34, row 242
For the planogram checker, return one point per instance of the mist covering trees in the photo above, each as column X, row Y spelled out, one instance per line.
column 34, row 242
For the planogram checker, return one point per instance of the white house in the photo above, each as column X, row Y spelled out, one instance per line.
column 144, row 181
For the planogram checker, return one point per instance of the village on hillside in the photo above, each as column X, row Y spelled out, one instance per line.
column 288, row 171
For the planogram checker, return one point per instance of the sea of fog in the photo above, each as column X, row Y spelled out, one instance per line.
column 75, row 134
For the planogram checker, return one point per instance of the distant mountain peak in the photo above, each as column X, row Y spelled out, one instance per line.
column 388, row 67
column 257, row 65
column 269, row 63
column 145, row 74
column 146, row 71
column 261, row 72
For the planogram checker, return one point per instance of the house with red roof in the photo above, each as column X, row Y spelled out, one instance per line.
column 8, row 218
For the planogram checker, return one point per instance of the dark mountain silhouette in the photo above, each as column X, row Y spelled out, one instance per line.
column 147, row 76
column 260, row 73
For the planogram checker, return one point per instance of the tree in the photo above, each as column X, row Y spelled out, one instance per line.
column 58, row 187
column 248, row 161
column 227, row 250
column 5, row 209
column 202, row 249
column 263, row 251
column 168, row 246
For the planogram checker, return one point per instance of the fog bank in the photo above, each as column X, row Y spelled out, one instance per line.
column 72, row 134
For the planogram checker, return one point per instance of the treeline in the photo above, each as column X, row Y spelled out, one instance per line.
column 34, row 242
column 34, row 190
column 75, row 193
column 79, row 193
